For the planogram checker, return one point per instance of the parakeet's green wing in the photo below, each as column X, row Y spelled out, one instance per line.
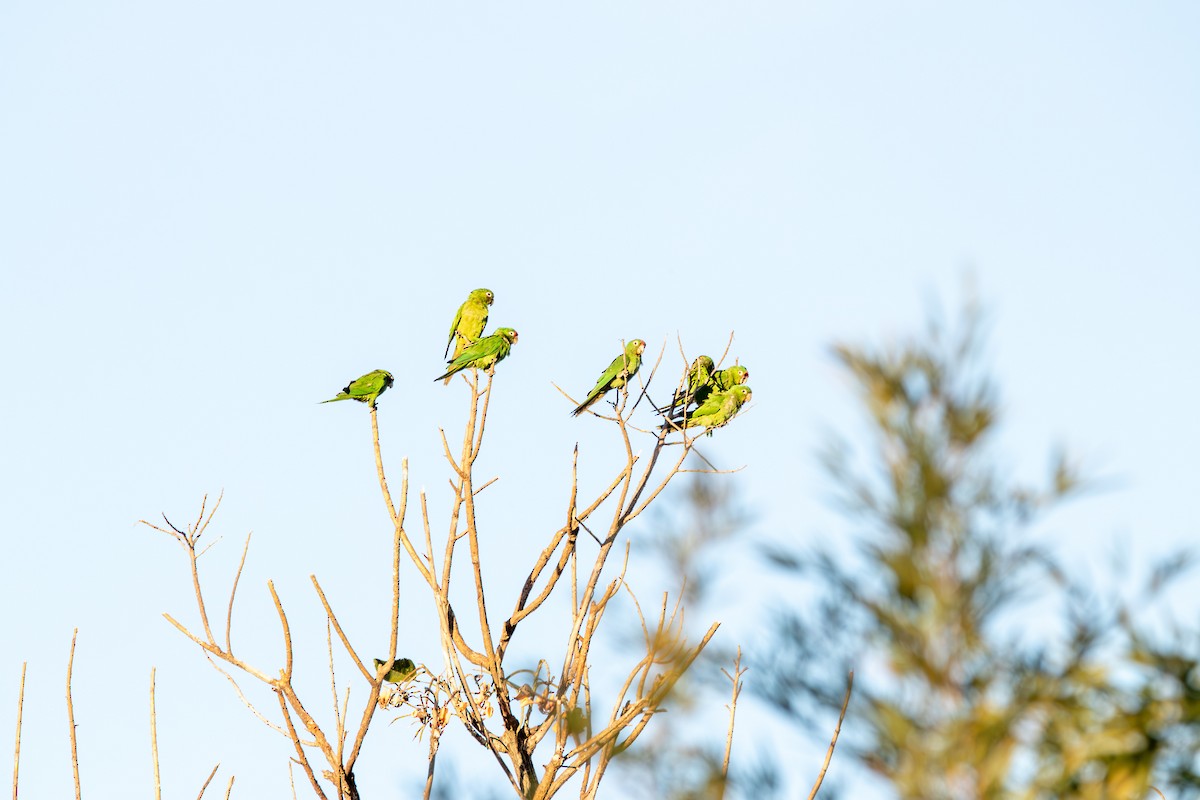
column 622, row 368
column 369, row 384
column 606, row 379
column 729, row 377
column 366, row 388
column 400, row 670
column 717, row 410
column 480, row 354
column 721, row 408
column 454, row 327
column 484, row 353
column 712, row 405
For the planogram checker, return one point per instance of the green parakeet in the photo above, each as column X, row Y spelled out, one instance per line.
column 725, row 379
column 623, row 367
column 484, row 353
column 698, row 378
column 717, row 410
column 401, row 670
column 365, row 389
column 469, row 321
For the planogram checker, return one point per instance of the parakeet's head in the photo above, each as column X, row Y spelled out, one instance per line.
column 507, row 333
column 740, row 375
column 742, row 393
column 636, row 346
column 483, row 296
column 703, row 364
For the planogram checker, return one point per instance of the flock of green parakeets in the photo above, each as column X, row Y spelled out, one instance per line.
column 708, row 399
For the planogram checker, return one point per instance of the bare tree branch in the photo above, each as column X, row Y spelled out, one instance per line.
column 208, row 781
column 736, row 680
column 71, row 715
column 833, row 742
column 233, row 593
column 17, row 739
column 154, row 739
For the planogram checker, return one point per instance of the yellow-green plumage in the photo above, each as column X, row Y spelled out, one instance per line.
column 469, row 321
column 717, row 410
column 399, row 671
column 365, row 389
column 727, row 378
column 483, row 354
column 697, row 382
column 623, row 367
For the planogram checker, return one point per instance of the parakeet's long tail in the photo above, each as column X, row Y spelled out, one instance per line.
column 585, row 405
column 335, row 399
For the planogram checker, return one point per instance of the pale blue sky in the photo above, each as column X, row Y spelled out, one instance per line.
column 213, row 215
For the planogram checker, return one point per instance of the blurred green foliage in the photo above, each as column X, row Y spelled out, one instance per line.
column 984, row 670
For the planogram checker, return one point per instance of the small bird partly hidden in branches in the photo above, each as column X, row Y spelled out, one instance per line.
column 698, row 379
column 365, row 389
column 484, row 353
column 703, row 379
column 623, row 367
column 399, row 670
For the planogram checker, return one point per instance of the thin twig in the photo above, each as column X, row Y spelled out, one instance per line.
column 833, row 742
column 71, row 716
column 212, row 649
column 195, row 532
column 644, row 382
column 387, row 496
column 332, row 618
column 229, row 791
column 728, row 345
column 233, row 593
column 287, row 632
column 204, row 788
column 337, row 709
column 246, row 702
column 154, row 739
column 736, row 679
column 295, row 737
column 434, row 738
column 17, row 745
column 399, row 540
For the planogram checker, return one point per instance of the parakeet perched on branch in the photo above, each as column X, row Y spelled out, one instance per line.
column 623, row 367
column 469, row 321
column 399, row 670
column 698, row 379
column 725, row 379
column 484, row 353
column 365, row 389
column 717, row 410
